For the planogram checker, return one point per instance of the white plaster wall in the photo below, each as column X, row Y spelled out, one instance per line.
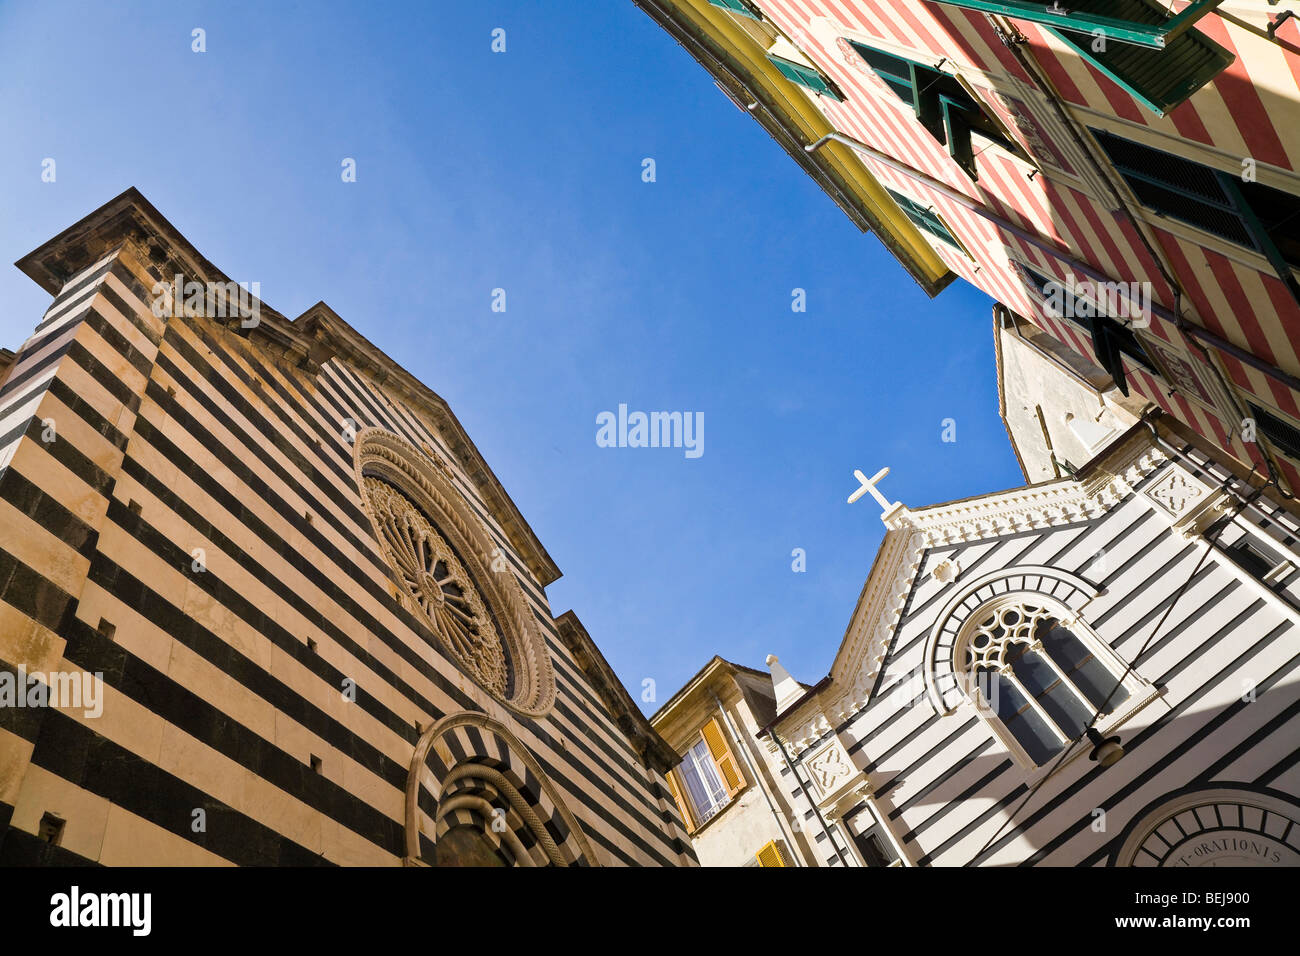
column 1029, row 381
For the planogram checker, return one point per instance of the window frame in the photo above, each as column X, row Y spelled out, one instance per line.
column 1235, row 204
column 942, row 113
column 1107, row 342
column 874, row 831
column 1140, row 691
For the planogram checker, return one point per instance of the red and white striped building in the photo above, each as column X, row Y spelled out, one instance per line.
column 1029, row 146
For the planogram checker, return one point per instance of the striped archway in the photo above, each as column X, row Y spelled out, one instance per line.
column 470, row 772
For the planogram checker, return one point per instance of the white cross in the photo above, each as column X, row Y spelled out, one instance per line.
column 869, row 484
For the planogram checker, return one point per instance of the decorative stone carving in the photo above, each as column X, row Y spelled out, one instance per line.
column 992, row 638
column 438, row 585
column 1175, row 492
column 828, row 767
column 831, row 771
column 439, row 553
column 946, row 571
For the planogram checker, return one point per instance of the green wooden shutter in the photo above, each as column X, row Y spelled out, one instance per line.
column 956, row 126
column 736, row 6
column 804, row 76
column 1158, row 79
column 1277, row 430
column 924, row 219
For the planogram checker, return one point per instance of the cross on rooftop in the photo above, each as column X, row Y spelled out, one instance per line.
column 869, row 485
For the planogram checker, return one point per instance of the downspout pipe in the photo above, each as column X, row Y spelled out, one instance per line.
column 809, row 797
column 744, row 752
column 1074, row 263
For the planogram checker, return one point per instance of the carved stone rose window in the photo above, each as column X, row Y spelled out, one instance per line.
column 439, row 585
column 439, row 555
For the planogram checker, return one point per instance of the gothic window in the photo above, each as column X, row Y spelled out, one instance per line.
column 1040, row 681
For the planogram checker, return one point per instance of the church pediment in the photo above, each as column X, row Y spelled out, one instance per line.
column 925, row 544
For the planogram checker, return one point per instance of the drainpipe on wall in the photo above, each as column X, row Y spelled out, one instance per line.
column 808, row 796
column 744, row 752
column 1014, row 41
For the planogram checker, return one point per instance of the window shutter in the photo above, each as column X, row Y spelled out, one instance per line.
column 687, row 821
column 924, row 219
column 1277, row 430
column 770, row 855
column 717, row 744
column 736, row 6
column 956, row 126
column 804, row 76
column 1158, row 79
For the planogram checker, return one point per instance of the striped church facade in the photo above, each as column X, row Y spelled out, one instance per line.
column 1059, row 164
column 1155, row 555
column 183, row 516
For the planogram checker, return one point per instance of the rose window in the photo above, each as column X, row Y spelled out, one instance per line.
column 439, row 587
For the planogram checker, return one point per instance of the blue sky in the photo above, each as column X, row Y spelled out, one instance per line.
column 522, row 171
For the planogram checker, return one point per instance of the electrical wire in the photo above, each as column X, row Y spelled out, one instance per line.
column 1220, row 525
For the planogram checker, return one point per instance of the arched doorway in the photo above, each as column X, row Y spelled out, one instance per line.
column 476, row 797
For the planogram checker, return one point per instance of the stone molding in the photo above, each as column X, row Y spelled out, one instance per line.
column 381, row 454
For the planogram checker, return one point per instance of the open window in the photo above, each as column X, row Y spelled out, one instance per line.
column 806, row 76
column 942, row 104
column 1112, row 340
column 1155, row 56
column 928, row 221
column 708, row 777
column 738, row 7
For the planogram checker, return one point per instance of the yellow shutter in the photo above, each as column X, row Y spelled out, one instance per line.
column 717, row 744
column 681, row 804
column 770, row 855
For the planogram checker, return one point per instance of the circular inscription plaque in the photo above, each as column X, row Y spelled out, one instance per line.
column 1221, row 827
